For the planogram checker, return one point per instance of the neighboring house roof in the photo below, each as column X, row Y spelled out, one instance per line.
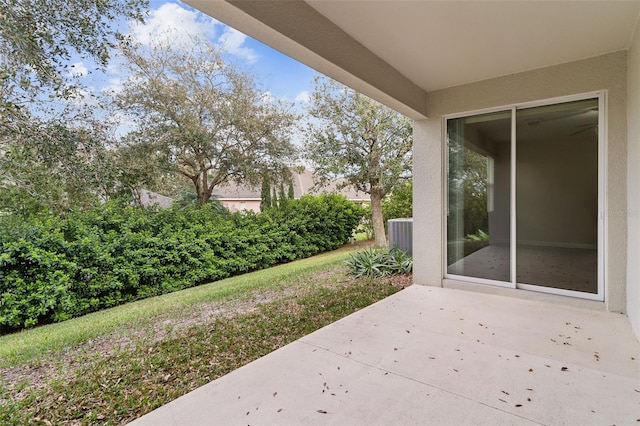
column 149, row 198
column 233, row 191
column 302, row 185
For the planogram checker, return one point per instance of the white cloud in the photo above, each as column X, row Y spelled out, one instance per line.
column 113, row 87
column 178, row 26
column 268, row 98
column 174, row 23
column 303, row 96
column 77, row 69
column 114, row 69
column 232, row 41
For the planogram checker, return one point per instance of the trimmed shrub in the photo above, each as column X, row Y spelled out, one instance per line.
column 55, row 268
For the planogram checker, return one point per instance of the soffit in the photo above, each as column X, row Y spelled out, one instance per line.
column 441, row 44
column 397, row 51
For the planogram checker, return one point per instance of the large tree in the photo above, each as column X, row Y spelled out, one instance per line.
column 201, row 117
column 53, row 152
column 56, row 165
column 354, row 138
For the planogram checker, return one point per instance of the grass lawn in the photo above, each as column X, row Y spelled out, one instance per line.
column 114, row 366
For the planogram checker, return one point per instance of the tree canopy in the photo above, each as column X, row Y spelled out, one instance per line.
column 54, row 153
column 359, row 140
column 38, row 38
column 201, row 117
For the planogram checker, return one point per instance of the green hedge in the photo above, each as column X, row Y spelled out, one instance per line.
column 55, row 268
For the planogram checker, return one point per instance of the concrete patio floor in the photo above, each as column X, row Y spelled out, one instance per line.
column 435, row 356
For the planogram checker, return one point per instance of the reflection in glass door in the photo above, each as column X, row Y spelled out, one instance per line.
column 523, row 195
column 478, row 221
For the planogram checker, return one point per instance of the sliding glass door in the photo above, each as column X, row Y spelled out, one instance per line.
column 557, row 196
column 523, row 198
column 478, row 220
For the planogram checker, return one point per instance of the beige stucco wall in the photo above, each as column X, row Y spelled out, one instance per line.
column 240, row 205
column 607, row 72
column 633, row 179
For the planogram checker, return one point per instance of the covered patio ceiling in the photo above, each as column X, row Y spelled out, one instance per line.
column 397, row 51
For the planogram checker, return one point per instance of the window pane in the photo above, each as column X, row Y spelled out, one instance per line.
column 479, row 173
column 557, row 195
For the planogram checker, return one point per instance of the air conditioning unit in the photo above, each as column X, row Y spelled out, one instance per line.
column 401, row 234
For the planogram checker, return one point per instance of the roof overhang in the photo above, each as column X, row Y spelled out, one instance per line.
column 398, row 51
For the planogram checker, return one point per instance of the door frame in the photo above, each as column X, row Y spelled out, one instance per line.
column 602, row 198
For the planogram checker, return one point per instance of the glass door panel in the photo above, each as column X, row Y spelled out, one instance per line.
column 557, row 196
column 478, row 184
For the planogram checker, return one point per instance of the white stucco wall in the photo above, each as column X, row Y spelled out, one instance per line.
column 633, row 179
column 607, row 72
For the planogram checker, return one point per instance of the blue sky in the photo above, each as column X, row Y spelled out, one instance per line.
column 282, row 77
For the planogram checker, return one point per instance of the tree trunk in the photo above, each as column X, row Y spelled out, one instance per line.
column 204, row 196
column 377, row 219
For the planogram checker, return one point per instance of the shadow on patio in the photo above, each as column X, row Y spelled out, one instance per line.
column 435, row 356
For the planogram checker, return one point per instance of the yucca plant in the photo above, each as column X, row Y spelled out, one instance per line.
column 379, row 263
column 400, row 262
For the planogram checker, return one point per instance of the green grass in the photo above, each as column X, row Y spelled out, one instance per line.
column 88, row 385
column 28, row 345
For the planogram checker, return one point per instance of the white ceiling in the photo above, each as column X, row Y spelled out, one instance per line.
column 440, row 44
